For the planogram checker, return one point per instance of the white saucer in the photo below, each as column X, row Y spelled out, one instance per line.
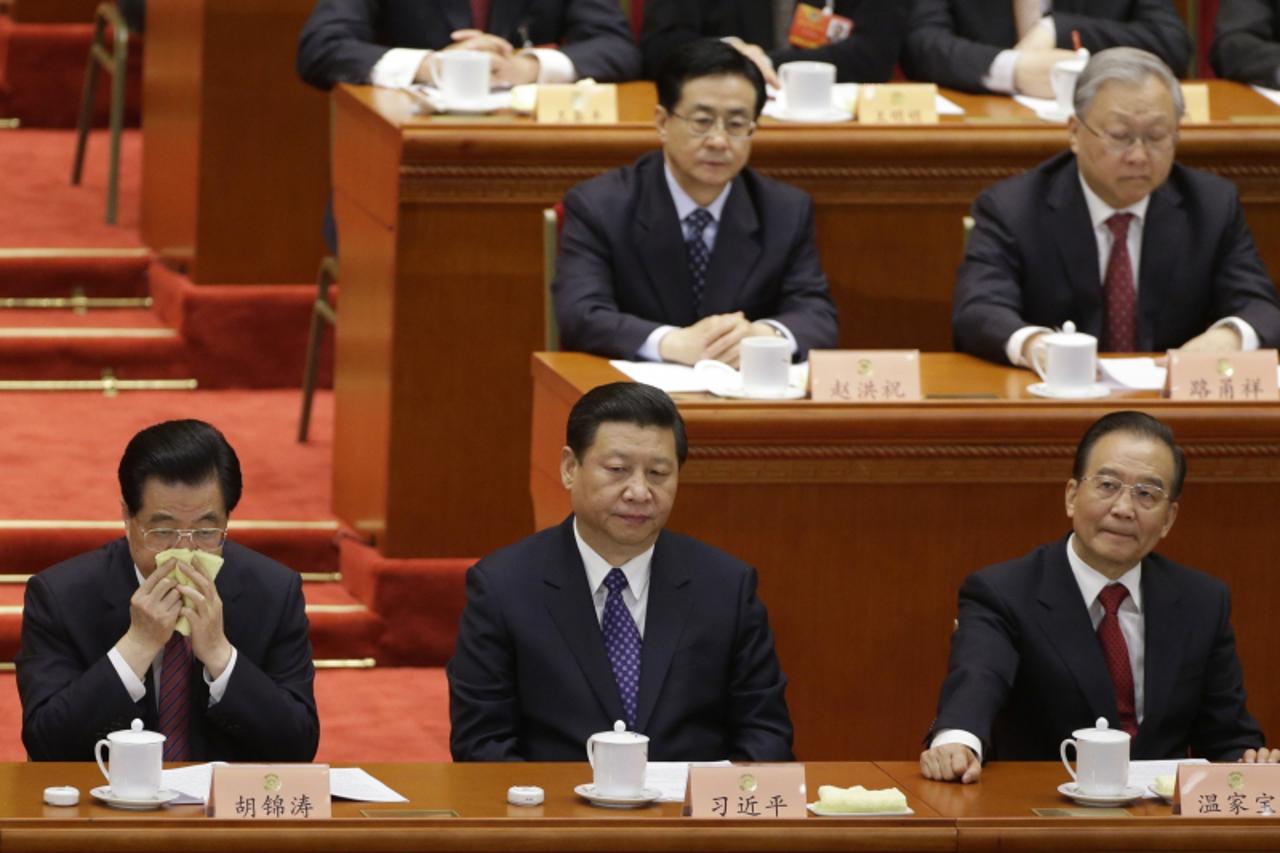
column 830, row 116
column 1087, row 392
column 1131, row 793
column 817, row 809
column 647, row 796
column 491, row 103
column 162, row 798
column 737, row 392
column 1168, row 798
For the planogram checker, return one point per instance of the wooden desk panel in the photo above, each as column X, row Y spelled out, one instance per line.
column 864, row 521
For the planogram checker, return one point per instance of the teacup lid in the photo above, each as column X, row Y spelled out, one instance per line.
column 619, row 735
column 1101, row 733
column 135, row 734
column 1069, row 336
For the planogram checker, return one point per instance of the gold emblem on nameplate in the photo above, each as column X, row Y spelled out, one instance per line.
column 271, row 783
column 1225, row 368
column 865, row 367
column 747, row 782
column 1235, row 781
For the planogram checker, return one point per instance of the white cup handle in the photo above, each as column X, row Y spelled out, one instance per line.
column 1062, row 750
column 97, row 753
column 1036, row 353
column 783, row 72
column 433, row 64
column 590, row 752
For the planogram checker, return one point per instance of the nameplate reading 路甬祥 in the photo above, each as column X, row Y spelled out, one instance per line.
column 747, row 791
column 898, row 103
column 1223, row 377
column 864, row 376
column 1227, row 790
column 270, row 791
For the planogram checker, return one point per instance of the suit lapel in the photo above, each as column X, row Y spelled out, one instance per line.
column 737, row 249
column 504, row 17
column 1072, row 231
column 569, row 602
column 1164, row 233
column 1162, row 644
column 659, row 240
column 668, row 609
column 1069, row 631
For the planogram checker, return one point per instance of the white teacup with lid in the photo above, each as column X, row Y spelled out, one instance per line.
column 618, row 760
column 1069, row 362
column 1102, row 759
column 136, row 758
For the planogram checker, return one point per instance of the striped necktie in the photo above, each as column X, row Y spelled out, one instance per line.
column 175, row 698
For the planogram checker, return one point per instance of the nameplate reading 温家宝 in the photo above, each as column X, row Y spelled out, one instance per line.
column 1227, row 790
column 1196, row 98
column 898, row 103
column 1223, row 377
column 747, row 791
column 565, row 103
column 270, row 791
column 864, row 376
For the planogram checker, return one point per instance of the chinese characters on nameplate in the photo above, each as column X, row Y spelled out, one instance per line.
column 747, row 791
column 864, row 376
column 1228, row 790
column 1217, row 377
column 270, row 791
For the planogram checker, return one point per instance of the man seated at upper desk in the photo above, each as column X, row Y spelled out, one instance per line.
column 684, row 253
column 1009, row 46
column 1142, row 253
column 1097, row 625
column 101, row 641
column 608, row 616
column 388, row 42
column 1246, row 42
column 860, row 37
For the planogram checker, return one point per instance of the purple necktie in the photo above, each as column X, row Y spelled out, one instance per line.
column 175, row 697
column 1117, row 289
column 622, row 642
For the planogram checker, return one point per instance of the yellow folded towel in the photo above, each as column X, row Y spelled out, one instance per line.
column 208, row 563
column 858, row 799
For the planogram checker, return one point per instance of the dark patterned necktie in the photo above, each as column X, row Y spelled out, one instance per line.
column 480, row 14
column 1116, row 651
column 622, row 642
column 1117, row 289
column 175, row 697
column 699, row 256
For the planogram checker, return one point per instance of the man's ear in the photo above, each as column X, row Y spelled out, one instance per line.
column 568, row 467
column 660, row 116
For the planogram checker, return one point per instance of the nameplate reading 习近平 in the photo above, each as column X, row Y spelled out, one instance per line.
column 1227, row 790
column 1223, row 377
column 270, row 791
column 747, row 791
column 864, row 376
column 898, row 103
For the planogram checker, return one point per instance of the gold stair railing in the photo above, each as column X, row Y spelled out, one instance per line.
column 110, row 385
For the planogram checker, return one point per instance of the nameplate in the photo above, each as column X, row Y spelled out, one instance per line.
column 1227, row 790
column 269, row 791
column 1196, row 98
column 577, row 104
column 898, row 103
column 747, row 791
column 1217, row 377
column 864, row 376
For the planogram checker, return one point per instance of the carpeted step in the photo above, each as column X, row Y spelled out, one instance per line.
column 35, row 273
column 68, row 352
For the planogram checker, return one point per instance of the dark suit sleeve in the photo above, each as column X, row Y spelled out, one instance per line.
column 760, row 726
column 935, row 52
column 987, row 306
column 67, row 703
column 269, row 708
column 669, row 24
column 983, row 664
column 484, row 713
column 1223, row 729
column 597, row 37
column 1153, row 25
column 804, row 300
column 337, row 43
column 870, row 53
column 1241, row 285
column 1246, row 42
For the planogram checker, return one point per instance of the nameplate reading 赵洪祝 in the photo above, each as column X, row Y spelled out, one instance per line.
column 574, row 103
column 747, row 791
column 898, row 103
column 1227, row 790
column 1196, row 98
column 864, row 376
column 270, row 791
column 1223, row 377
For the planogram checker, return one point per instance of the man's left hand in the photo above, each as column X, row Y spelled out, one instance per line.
column 516, row 69
column 1261, row 756
column 203, row 609
column 725, row 348
column 1217, row 339
column 756, row 54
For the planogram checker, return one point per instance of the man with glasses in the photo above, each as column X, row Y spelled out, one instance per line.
column 101, row 641
column 684, row 253
column 1097, row 625
column 1141, row 252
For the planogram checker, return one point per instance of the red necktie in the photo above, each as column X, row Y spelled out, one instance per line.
column 175, row 697
column 480, row 14
column 1116, row 651
column 1117, row 288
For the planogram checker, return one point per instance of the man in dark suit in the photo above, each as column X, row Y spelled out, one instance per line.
column 387, row 42
column 1074, row 238
column 1096, row 625
column 99, row 645
column 1009, row 46
column 681, row 255
column 609, row 617
column 1246, row 42
column 866, row 55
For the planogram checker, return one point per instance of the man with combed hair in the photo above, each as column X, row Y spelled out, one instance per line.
column 1246, row 42
column 608, row 616
column 1113, row 235
column 1097, row 625
column 101, row 643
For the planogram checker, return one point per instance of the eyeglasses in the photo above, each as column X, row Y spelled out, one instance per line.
column 1144, row 495
column 1159, row 141
column 204, row 538
column 702, row 124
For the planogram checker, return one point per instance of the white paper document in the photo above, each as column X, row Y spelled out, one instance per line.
column 1272, row 95
column 1142, row 774
column 1140, row 374
column 192, row 783
column 709, row 377
column 844, row 97
column 348, row 783
column 1046, row 109
column 671, row 777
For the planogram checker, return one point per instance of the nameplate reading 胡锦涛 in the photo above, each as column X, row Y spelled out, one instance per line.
column 1223, row 377
column 898, row 103
column 1227, row 790
column 270, row 791
column 864, row 376
column 747, row 791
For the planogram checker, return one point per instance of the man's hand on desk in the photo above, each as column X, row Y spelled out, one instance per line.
column 1031, row 73
column 1217, row 339
column 951, row 762
column 715, row 337
column 1031, row 346
column 757, row 55
column 1261, row 756
column 469, row 40
column 513, row 71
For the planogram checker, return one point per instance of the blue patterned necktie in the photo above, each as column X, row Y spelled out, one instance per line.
column 699, row 256
column 622, row 642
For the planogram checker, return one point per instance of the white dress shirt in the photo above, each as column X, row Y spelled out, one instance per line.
column 1132, row 626
column 137, row 688
column 635, row 596
column 398, row 67
column 1000, row 75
